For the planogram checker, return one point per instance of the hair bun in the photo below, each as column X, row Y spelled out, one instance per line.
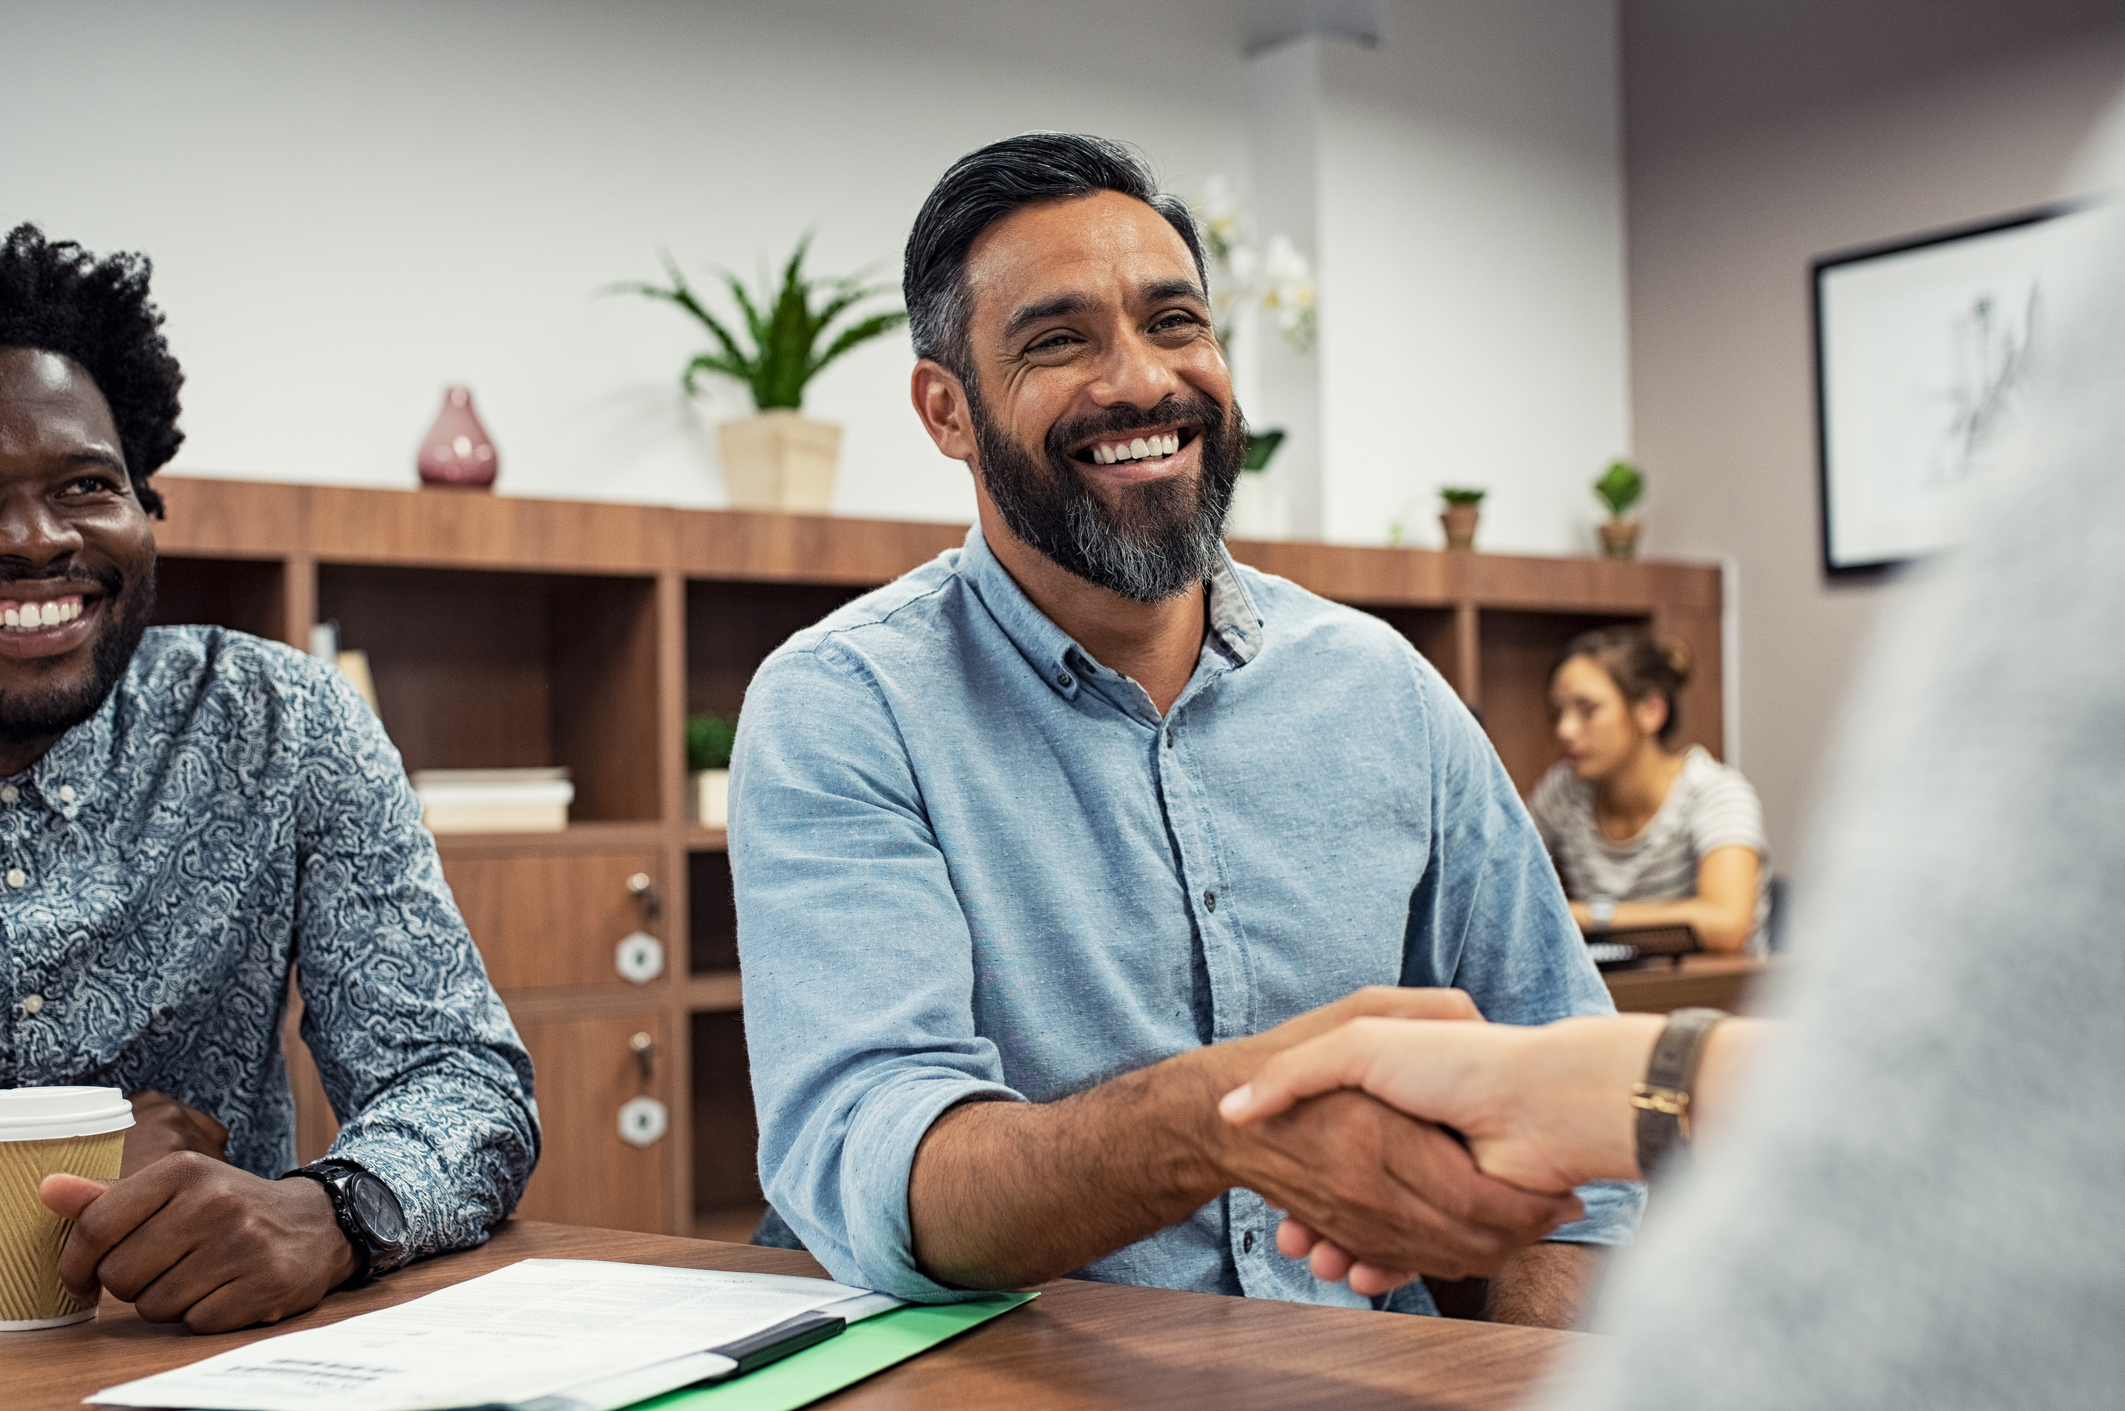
column 1679, row 658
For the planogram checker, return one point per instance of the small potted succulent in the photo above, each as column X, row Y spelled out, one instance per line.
column 1463, row 507
column 778, row 458
column 708, row 740
column 1620, row 487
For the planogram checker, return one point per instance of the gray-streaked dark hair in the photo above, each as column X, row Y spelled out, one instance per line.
column 982, row 188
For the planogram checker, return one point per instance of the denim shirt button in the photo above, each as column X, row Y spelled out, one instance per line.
column 1247, row 1243
column 1064, row 680
column 1210, row 901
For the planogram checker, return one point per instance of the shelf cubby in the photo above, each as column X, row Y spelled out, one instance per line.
column 246, row 594
column 494, row 670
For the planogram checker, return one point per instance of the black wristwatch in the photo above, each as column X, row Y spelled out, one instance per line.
column 369, row 1214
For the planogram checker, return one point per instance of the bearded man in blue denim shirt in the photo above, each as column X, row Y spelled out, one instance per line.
column 1043, row 848
column 189, row 814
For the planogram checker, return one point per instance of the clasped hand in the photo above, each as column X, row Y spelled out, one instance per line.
column 1533, row 1106
column 1394, row 1195
column 183, row 1235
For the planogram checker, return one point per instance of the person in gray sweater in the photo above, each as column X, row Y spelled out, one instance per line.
column 1904, row 1200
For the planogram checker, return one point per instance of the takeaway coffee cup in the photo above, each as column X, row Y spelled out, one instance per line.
column 80, row 1131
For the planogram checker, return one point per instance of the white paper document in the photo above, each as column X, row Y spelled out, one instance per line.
column 573, row 1335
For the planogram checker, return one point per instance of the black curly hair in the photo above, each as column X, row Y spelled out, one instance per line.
column 58, row 298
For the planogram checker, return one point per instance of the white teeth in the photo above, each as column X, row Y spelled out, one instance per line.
column 30, row 617
column 1142, row 448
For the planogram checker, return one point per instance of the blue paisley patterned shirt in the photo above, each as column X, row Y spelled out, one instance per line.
column 235, row 810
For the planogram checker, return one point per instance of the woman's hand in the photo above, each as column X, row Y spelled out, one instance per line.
column 1546, row 1109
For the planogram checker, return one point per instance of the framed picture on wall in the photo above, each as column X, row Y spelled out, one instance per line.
column 1923, row 353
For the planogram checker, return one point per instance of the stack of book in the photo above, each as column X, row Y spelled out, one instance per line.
column 494, row 800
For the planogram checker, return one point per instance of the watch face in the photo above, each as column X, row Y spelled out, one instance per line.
column 379, row 1209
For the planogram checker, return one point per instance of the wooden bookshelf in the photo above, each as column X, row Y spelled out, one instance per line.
column 516, row 632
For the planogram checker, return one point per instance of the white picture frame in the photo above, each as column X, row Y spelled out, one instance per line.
column 1923, row 352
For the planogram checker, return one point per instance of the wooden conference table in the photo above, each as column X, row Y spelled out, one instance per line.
column 1078, row 1345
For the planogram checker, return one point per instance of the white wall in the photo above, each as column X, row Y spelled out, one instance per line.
column 350, row 206
column 1472, row 270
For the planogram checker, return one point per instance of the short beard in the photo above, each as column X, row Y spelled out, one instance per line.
column 27, row 718
column 1157, row 540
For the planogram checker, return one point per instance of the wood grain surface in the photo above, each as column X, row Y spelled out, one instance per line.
column 1726, row 982
column 1078, row 1345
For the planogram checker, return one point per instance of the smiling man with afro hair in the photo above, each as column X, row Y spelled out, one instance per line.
column 59, row 298
column 184, row 807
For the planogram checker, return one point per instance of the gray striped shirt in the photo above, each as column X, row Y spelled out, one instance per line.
column 1710, row 805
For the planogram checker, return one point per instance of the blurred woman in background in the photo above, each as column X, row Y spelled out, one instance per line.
column 1642, row 835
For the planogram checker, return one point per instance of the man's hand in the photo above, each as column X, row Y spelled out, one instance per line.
column 162, row 1125
column 1008, row 1194
column 193, row 1239
column 1397, row 1193
column 1545, row 1109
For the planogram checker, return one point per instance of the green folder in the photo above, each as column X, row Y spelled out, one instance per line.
column 866, row 1348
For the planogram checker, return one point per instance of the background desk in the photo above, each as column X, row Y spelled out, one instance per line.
column 1078, row 1345
column 1719, row 981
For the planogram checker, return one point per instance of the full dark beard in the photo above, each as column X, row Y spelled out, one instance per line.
column 1156, row 540
column 28, row 717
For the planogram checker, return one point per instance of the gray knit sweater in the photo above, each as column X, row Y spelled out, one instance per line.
column 1923, row 1201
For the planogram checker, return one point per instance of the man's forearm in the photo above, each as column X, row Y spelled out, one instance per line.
column 1005, row 1194
column 1545, row 1286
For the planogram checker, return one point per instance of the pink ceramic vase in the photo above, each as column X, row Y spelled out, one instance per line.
column 456, row 451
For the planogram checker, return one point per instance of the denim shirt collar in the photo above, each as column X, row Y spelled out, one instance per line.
column 1235, row 621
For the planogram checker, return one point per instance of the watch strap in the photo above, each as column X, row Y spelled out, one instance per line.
column 336, row 1175
column 1663, row 1099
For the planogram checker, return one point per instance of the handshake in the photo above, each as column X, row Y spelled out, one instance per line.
column 1405, row 1136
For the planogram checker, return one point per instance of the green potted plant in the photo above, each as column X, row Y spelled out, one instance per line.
column 708, row 740
column 1620, row 487
column 778, row 458
column 1463, row 507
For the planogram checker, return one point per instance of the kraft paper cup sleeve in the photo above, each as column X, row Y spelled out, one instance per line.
column 31, row 1236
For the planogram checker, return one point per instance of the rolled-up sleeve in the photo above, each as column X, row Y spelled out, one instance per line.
column 857, row 961
column 1490, row 918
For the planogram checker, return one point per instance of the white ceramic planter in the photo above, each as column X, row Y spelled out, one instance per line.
column 779, row 460
column 712, row 798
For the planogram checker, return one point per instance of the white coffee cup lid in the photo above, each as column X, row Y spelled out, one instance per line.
column 44, row 1114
